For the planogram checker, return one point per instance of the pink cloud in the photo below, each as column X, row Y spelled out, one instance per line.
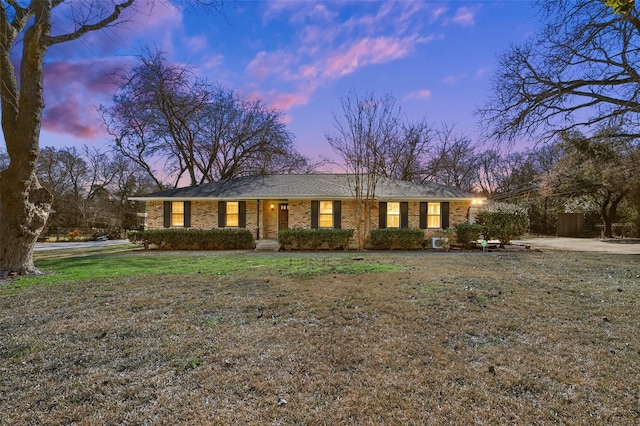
column 197, row 44
column 365, row 52
column 452, row 79
column 299, row 12
column 265, row 64
column 210, row 62
column 72, row 90
column 419, row 94
column 481, row 72
column 465, row 16
column 69, row 117
column 437, row 13
column 97, row 76
column 286, row 101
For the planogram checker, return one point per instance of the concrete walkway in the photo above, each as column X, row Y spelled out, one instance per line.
column 620, row 246
column 78, row 244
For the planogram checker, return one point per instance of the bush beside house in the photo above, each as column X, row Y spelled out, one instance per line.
column 467, row 234
column 503, row 222
column 403, row 239
column 314, row 239
column 194, row 239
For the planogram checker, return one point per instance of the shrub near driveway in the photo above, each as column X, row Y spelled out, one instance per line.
column 473, row 338
column 503, row 222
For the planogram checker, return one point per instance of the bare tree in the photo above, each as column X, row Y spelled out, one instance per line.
column 407, row 158
column 89, row 186
column 454, row 160
column 243, row 137
column 603, row 168
column 157, row 115
column 365, row 135
column 579, row 71
column 163, row 114
column 26, row 33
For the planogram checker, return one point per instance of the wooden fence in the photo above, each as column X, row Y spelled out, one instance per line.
column 570, row 224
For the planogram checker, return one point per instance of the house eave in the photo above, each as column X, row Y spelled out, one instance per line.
column 306, row 198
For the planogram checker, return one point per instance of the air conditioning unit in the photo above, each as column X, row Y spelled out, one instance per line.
column 435, row 242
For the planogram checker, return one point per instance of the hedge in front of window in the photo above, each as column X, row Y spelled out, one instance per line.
column 313, row 239
column 194, row 239
column 402, row 238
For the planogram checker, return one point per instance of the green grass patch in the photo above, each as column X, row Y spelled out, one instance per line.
column 112, row 265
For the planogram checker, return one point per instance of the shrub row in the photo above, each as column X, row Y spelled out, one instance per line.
column 194, row 239
column 403, row 238
column 314, row 239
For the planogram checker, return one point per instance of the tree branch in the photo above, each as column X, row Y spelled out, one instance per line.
column 86, row 28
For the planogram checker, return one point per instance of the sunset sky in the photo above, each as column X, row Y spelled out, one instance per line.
column 436, row 58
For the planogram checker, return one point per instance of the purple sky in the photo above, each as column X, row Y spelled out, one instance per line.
column 435, row 57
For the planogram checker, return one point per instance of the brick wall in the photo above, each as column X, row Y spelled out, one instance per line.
column 204, row 214
column 155, row 215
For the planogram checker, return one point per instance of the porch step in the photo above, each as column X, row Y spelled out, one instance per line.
column 267, row 245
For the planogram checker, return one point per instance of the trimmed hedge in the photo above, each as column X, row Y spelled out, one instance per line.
column 194, row 239
column 403, row 238
column 466, row 233
column 314, row 239
column 502, row 221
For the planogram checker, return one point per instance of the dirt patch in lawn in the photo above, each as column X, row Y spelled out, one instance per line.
column 458, row 338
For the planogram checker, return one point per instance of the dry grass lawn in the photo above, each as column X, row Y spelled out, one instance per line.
column 460, row 338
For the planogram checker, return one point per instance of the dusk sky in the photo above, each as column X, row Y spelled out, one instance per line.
column 436, row 58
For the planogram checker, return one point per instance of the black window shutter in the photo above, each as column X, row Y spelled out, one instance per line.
column 167, row 214
column 187, row 214
column 423, row 215
column 444, row 211
column 337, row 214
column 382, row 207
column 315, row 213
column 404, row 214
column 222, row 214
column 242, row 214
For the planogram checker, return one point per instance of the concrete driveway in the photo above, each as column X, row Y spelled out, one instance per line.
column 79, row 244
column 620, row 246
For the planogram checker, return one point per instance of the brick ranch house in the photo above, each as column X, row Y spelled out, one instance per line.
column 265, row 204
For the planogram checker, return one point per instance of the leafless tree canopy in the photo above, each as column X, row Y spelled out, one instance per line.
column 162, row 114
column 90, row 187
column 603, row 168
column 579, row 71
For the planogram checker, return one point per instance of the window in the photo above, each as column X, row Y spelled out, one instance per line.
column 326, row 214
column 233, row 214
column 433, row 215
column 177, row 213
column 393, row 215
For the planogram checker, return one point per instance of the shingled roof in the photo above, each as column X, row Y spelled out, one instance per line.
column 308, row 186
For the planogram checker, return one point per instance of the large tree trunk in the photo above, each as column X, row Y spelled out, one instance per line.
column 24, row 204
column 24, row 208
column 609, row 216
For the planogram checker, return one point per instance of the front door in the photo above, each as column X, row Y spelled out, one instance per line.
column 283, row 217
